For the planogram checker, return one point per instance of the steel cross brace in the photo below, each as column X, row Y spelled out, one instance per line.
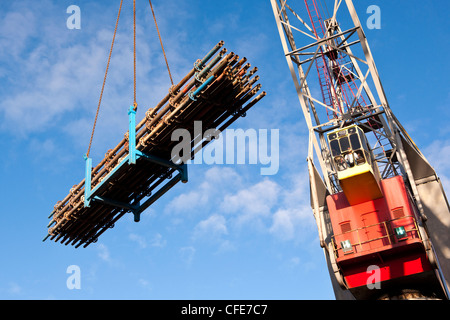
column 130, row 159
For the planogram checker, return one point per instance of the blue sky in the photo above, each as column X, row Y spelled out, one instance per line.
column 230, row 232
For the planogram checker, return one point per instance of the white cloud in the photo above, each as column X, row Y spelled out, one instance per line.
column 438, row 153
column 14, row 288
column 213, row 231
column 156, row 241
column 144, row 283
column 214, row 182
column 16, row 28
column 56, row 76
column 230, row 203
column 295, row 261
column 189, row 201
column 187, row 255
column 103, row 252
column 291, row 223
column 253, row 202
column 283, row 224
column 222, row 174
column 139, row 239
column 52, row 76
column 225, row 246
column 42, row 148
column 211, row 228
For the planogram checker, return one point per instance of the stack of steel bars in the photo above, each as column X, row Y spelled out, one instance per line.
column 219, row 89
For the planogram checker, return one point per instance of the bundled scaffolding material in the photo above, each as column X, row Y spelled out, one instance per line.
column 219, row 89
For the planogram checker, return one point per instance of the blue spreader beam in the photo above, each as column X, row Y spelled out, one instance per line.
column 133, row 156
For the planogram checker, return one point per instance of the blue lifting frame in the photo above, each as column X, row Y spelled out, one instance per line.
column 130, row 159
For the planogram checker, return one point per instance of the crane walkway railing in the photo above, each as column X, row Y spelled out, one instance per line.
column 362, row 240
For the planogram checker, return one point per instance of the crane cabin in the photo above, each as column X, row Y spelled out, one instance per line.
column 357, row 173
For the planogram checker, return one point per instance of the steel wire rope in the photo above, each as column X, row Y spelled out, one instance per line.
column 134, row 56
column 134, row 64
column 104, row 79
column 160, row 40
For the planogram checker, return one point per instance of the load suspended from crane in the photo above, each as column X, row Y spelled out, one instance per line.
column 219, row 89
column 134, row 174
column 379, row 205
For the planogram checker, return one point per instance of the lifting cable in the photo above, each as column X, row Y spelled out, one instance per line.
column 160, row 40
column 134, row 54
column 134, row 63
column 104, row 80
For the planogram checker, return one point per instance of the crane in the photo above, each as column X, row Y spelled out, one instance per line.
column 377, row 201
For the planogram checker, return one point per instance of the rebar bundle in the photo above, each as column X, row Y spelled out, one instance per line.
column 219, row 89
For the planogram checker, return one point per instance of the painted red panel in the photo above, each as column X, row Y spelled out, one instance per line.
column 397, row 199
column 365, row 218
column 399, row 267
column 372, row 224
